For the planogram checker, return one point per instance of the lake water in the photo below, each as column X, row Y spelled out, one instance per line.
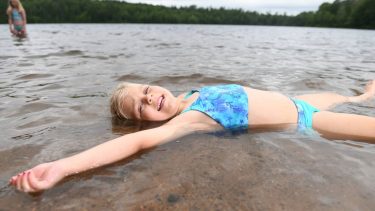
column 54, row 90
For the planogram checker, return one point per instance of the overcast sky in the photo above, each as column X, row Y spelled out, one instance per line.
column 291, row 7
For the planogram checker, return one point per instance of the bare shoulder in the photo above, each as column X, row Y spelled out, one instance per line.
column 181, row 125
column 195, row 121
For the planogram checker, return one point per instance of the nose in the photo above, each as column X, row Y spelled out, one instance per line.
column 148, row 99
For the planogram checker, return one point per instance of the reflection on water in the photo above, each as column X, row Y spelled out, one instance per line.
column 54, row 89
column 19, row 41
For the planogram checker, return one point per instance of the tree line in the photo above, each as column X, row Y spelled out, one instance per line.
column 340, row 13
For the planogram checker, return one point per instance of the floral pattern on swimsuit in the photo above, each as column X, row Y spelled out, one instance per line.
column 226, row 104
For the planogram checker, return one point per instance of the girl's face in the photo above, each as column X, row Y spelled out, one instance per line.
column 14, row 3
column 150, row 103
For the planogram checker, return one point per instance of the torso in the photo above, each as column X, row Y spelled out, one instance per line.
column 265, row 110
column 16, row 17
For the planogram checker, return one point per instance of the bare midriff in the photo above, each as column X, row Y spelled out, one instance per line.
column 270, row 109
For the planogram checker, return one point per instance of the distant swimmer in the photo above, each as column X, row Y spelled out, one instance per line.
column 16, row 18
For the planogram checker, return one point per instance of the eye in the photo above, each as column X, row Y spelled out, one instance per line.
column 147, row 89
column 140, row 109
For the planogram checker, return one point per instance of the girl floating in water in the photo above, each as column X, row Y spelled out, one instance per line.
column 16, row 18
column 210, row 108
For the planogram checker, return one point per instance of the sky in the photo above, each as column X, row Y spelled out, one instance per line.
column 290, row 7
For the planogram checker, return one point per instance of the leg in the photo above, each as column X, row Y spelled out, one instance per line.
column 344, row 126
column 324, row 101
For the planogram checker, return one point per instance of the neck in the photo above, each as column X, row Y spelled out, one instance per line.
column 179, row 109
column 184, row 103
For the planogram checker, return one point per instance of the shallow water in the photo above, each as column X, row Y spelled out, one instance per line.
column 54, row 89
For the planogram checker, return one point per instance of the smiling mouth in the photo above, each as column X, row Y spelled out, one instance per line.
column 161, row 102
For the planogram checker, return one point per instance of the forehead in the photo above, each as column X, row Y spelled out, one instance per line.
column 131, row 99
column 134, row 88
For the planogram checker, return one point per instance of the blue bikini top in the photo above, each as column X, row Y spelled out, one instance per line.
column 226, row 104
column 16, row 15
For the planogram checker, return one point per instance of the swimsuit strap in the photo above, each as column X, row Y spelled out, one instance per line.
column 190, row 93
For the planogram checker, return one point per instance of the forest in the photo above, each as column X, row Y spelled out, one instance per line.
column 340, row 13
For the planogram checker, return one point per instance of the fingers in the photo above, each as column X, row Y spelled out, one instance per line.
column 26, row 186
column 13, row 180
column 19, row 181
column 32, row 182
column 23, row 183
column 37, row 179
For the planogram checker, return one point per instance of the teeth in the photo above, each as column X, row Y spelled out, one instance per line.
column 160, row 102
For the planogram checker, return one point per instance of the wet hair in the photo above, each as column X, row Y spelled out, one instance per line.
column 117, row 100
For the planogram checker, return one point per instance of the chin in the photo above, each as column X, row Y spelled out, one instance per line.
column 166, row 118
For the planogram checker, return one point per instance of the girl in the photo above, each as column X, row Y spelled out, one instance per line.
column 208, row 109
column 16, row 18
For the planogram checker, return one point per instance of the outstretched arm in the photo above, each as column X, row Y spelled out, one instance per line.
column 46, row 175
column 119, row 148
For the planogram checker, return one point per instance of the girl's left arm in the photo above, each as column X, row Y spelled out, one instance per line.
column 24, row 18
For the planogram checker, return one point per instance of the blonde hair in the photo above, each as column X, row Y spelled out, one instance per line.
column 10, row 6
column 117, row 100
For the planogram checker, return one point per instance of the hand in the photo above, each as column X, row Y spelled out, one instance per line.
column 13, row 31
column 22, row 33
column 39, row 178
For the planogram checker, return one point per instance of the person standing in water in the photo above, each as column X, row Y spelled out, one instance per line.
column 16, row 18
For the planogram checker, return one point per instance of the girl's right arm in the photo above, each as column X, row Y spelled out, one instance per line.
column 10, row 22
column 46, row 175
